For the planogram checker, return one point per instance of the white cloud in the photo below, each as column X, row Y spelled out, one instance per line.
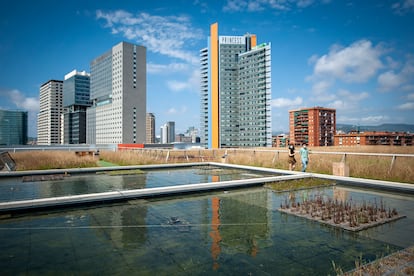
column 177, row 85
column 389, row 81
column 403, row 6
column 395, row 80
column 368, row 120
column 347, row 101
column 182, row 110
column 356, row 63
column 374, row 119
column 21, row 101
column 191, row 84
column 259, row 5
column 406, row 106
column 284, row 102
column 172, row 110
column 410, row 96
column 166, row 68
column 354, row 97
column 321, row 86
column 168, row 35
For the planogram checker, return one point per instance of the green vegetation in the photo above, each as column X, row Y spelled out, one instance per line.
column 298, row 184
column 123, row 172
column 102, row 163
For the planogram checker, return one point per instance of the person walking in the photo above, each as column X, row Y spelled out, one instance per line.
column 291, row 160
column 304, row 156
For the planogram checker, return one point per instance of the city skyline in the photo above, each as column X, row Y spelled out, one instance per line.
column 355, row 57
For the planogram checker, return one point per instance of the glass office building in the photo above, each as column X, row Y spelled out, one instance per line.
column 235, row 92
column 13, row 127
column 76, row 92
column 118, row 95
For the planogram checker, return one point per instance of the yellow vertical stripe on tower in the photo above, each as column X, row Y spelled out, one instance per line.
column 253, row 41
column 214, row 86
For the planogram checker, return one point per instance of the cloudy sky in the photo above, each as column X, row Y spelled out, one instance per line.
column 355, row 56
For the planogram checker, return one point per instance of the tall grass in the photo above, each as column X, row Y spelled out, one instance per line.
column 372, row 167
column 43, row 160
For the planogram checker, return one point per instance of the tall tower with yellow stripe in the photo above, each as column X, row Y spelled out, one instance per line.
column 235, row 91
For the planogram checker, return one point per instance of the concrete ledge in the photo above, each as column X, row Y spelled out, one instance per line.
column 99, row 169
column 172, row 190
column 135, row 194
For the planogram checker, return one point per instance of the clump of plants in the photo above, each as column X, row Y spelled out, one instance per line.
column 43, row 160
column 297, row 184
column 123, row 172
column 344, row 214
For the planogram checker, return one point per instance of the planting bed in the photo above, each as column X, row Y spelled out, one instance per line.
column 345, row 215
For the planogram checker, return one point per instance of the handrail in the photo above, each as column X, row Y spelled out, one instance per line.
column 273, row 150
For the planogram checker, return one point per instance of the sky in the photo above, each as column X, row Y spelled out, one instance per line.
column 354, row 56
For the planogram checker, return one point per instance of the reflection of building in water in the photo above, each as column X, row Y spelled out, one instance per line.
column 86, row 184
column 114, row 222
column 215, row 232
column 215, row 178
column 340, row 194
column 117, row 225
column 239, row 223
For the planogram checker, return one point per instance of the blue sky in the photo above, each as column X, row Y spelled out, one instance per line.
column 355, row 56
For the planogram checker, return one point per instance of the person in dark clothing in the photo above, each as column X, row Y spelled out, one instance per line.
column 291, row 160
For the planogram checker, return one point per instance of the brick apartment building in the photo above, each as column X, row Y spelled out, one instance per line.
column 314, row 126
column 374, row 138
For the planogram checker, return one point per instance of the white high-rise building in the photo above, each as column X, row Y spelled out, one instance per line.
column 235, row 91
column 118, row 92
column 49, row 117
column 167, row 132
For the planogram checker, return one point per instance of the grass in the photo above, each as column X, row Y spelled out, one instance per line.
column 123, row 172
column 291, row 185
column 371, row 167
column 43, row 160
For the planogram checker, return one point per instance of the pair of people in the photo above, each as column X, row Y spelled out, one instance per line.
column 304, row 156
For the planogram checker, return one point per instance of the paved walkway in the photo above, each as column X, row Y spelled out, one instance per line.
column 399, row 263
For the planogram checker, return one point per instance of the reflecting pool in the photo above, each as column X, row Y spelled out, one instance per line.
column 13, row 189
column 235, row 232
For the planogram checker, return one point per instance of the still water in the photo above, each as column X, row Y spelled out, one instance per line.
column 235, row 232
column 13, row 189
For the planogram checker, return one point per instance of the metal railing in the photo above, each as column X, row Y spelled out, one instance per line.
column 201, row 152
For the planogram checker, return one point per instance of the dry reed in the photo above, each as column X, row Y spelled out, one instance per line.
column 43, row 160
column 373, row 167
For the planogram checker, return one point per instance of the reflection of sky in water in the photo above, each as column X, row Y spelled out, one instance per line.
column 235, row 232
column 12, row 189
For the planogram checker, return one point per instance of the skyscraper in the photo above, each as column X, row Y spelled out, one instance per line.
column 75, row 102
column 235, row 92
column 314, row 126
column 150, row 138
column 49, row 117
column 13, row 127
column 167, row 133
column 118, row 95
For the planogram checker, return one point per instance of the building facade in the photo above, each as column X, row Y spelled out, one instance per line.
column 235, row 92
column 49, row 117
column 167, row 133
column 150, row 132
column 280, row 141
column 118, row 93
column 76, row 93
column 373, row 138
column 13, row 127
column 314, row 126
